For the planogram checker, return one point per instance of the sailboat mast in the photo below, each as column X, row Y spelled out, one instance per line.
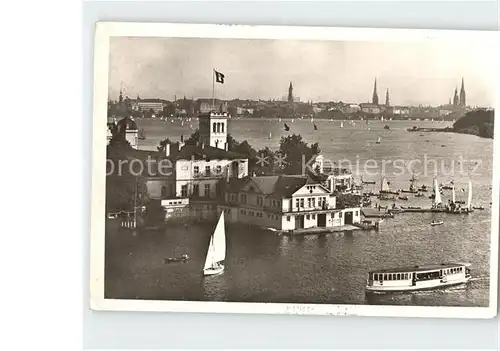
column 469, row 200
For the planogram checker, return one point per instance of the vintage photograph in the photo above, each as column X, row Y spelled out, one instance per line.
column 294, row 170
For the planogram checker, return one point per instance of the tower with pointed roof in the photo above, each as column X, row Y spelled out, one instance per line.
column 455, row 98
column 375, row 95
column 462, row 94
column 387, row 101
column 290, row 93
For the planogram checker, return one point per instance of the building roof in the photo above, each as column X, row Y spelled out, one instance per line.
column 126, row 123
column 189, row 152
column 274, row 186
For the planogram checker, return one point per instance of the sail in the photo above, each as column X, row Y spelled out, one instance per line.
column 469, row 199
column 217, row 248
column 341, row 124
column 453, row 194
column 384, row 186
column 437, row 193
column 210, row 260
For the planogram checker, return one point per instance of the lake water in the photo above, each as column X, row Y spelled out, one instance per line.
column 262, row 267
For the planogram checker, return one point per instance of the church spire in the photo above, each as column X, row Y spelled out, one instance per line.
column 455, row 98
column 387, row 101
column 462, row 94
column 375, row 95
column 290, row 93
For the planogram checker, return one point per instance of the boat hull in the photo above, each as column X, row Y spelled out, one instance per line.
column 421, row 285
column 213, row 271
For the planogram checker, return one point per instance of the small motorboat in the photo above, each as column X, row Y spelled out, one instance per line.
column 419, row 195
column 403, row 198
column 183, row 258
column 478, row 207
column 437, row 223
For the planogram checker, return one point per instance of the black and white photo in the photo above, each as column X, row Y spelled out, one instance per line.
column 295, row 170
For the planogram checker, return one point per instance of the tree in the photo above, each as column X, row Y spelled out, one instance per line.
column 296, row 153
column 122, row 184
column 125, row 191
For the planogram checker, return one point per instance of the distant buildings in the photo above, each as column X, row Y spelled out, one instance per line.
column 146, row 105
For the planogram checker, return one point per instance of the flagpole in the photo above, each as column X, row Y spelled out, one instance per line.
column 213, row 89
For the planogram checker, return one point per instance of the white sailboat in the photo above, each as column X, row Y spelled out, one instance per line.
column 469, row 199
column 269, row 136
column 216, row 253
column 378, row 140
column 341, row 124
column 437, row 193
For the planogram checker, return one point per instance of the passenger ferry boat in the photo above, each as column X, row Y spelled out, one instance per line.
column 418, row 277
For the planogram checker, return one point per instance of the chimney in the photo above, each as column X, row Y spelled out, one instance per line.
column 167, row 149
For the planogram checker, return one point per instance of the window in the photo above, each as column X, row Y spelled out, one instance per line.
column 163, row 191
column 207, row 171
column 356, row 213
column 259, row 201
column 309, row 202
column 222, row 127
column 218, row 170
column 385, row 276
column 313, row 202
column 297, row 203
column 308, row 217
column 313, row 216
column 288, row 218
column 196, row 189
column 184, row 190
column 340, row 214
column 398, row 276
column 333, row 215
column 214, row 128
column 302, row 203
column 207, row 190
column 196, row 171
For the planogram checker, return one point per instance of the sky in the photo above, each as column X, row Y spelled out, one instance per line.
column 415, row 73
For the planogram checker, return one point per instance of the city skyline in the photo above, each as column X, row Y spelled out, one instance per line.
column 329, row 71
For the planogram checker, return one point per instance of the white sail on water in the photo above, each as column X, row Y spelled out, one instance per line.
column 341, row 124
column 437, row 193
column 469, row 199
column 384, row 186
column 217, row 248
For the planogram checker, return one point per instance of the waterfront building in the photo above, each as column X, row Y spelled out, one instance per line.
column 335, row 179
column 284, row 202
column 197, row 173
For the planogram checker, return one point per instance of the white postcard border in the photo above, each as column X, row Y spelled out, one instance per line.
column 105, row 30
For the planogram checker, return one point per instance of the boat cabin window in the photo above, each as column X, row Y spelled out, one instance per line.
column 385, row 277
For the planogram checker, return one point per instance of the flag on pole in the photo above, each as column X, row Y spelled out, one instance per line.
column 219, row 77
